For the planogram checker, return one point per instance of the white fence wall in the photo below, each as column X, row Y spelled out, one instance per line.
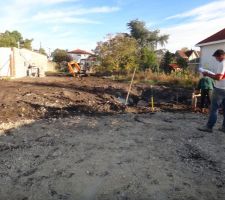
column 5, row 61
column 24, row 57
column 18, row 60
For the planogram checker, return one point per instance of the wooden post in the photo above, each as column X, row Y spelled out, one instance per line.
column 11, row 65
column 128, row 94
column 152, row 99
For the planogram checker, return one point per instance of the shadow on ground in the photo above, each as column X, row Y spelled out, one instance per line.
column 123, row 156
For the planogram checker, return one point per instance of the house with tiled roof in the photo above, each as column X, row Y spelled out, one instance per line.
column 188, row 55
column 191, row 56
column 208, row 46
column 79, row 54
column 181, row 54
column 175, row 67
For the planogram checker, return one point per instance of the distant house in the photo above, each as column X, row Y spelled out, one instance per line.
column 174, row 67
column 79, row 55
column 16, row 62
column 188, row 55
column 191, row 56
column 209, row 46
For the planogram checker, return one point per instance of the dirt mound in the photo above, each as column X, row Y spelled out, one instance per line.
column 53, row 96
column 33, row 98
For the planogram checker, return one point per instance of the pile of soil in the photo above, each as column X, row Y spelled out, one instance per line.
column 33, row 98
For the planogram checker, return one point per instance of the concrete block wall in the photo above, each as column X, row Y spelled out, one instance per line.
column 24, row 57
column 5, row 61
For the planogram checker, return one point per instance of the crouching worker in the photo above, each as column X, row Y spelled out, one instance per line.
column 205, row 86
column 218, row 95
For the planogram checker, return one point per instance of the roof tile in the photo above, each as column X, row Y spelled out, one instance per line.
column 79, row 51
column 215, row 37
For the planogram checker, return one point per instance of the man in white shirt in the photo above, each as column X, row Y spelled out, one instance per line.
column 218, row 96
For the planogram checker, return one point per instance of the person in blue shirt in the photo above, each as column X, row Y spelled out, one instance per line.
column 218, row 96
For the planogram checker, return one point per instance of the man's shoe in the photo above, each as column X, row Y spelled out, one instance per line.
column 205, row 129
column 222, row 129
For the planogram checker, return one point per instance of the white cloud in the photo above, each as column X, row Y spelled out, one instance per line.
column 70, row 20
column 53, row 14
column 65, row 34
column 45, row 2
column 56, row 29
column 50, row 25
column 204, row 12
column 69, row 16
column 206, row 20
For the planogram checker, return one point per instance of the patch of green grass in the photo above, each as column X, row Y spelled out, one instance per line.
column 5, row 78
column 181, row 79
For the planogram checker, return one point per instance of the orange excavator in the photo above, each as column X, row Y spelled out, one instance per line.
column 80, row 69
column 74, row 68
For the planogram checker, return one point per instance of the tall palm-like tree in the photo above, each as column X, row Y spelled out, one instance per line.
column 145, row 37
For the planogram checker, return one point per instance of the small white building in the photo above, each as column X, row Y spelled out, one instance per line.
column 15, row 62
column 209, row 46
column 79, row 55
column 188, row 55
column 191, row 57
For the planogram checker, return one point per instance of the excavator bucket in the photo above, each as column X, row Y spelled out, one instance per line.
column 73, row 68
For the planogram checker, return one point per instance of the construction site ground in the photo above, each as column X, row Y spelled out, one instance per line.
column 71, row 138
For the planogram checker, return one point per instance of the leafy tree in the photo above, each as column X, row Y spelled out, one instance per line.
column 60, row 55
column 148, row 60
column 118, row 53
column 145, row 37
column 166, row 61
column 182, row 63
column 27, row 44
column 15, row 34
column 42, row 51
column 12, row 39
column 6, row 40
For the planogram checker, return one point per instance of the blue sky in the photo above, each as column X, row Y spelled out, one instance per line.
column 71, row 24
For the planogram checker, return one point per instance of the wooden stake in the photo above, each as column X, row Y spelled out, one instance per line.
column 152, row 99
column 131, row 83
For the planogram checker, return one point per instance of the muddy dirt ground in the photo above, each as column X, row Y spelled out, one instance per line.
column 33, row 98
column 73, row 139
